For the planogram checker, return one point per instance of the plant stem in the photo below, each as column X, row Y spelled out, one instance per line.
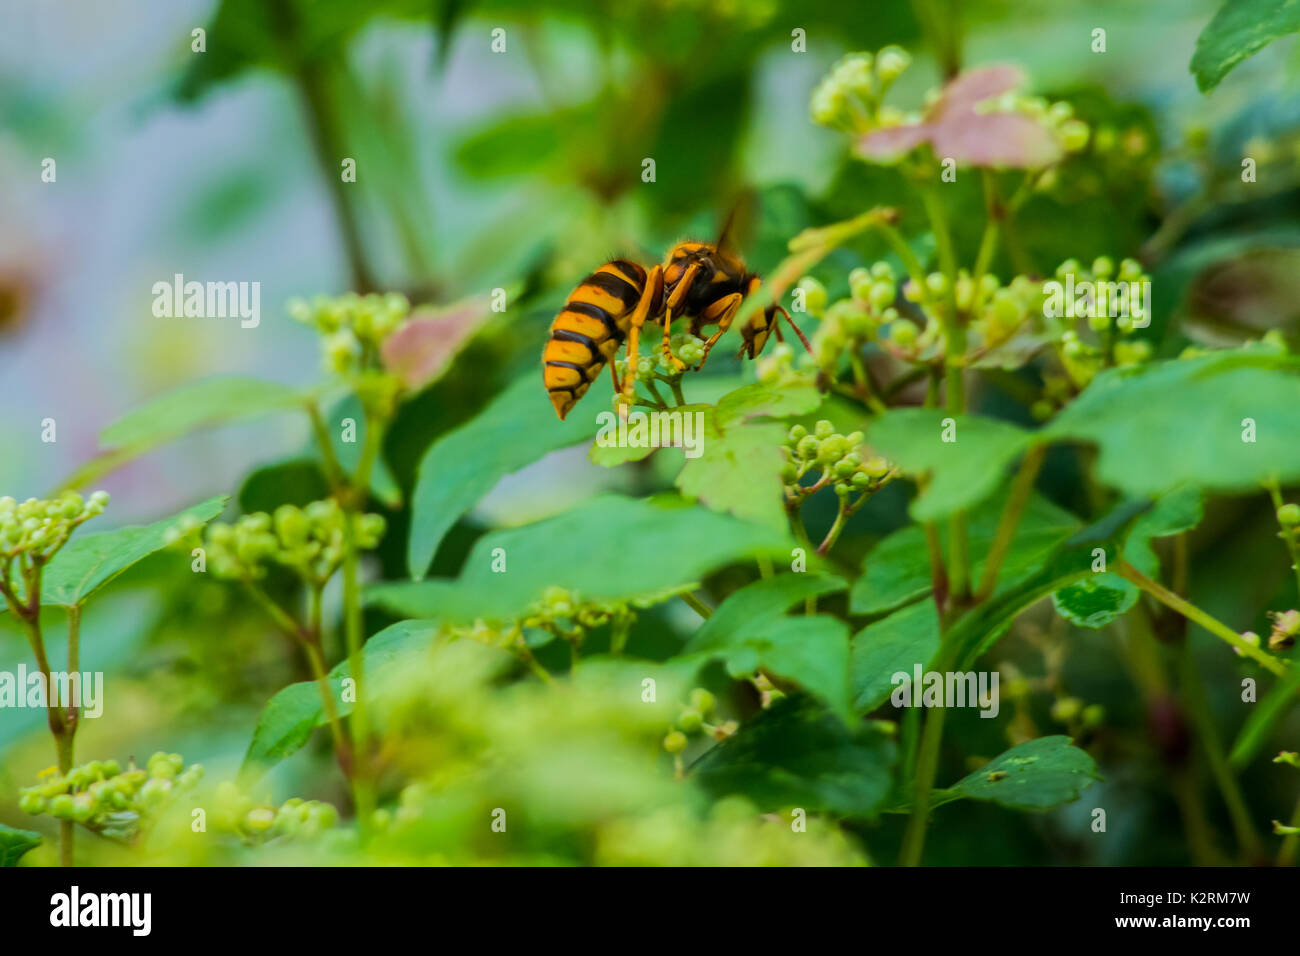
column 1286, row 855
column 1198, row 708
column 333, row 470
column 28, row 610
column 1011, row 512
column 993, row 212
column 326, row 134
column 836, row 527
column 1288, row 534
column 927, row 764
column 863, row 382
column 904, row 252
column 354, row 632
column 1196, row 615
column 938, row 576
column 696, row 605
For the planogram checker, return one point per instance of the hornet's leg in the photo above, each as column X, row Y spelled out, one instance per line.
column 669, row 357
column 683, row 288
column 651, row 299
column 723, row 311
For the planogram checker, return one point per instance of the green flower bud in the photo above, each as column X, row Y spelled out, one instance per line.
column 1042, row 410
column 260, row 819
column 1074, row 135
column 807, row 447
column 703, row 701
column 814, row 295
column 823, row 429
column 1065, row 709
column 881, row 294
column 891, row 62
column 875, row 467
column 1060, row 112
column 689, row 720
column 1067, row 268
column 675, row 742
column 1289, row 515
column 31, row 802
column 860, row 283
column 1103, row 267
column 903, row 334
column 63, row 806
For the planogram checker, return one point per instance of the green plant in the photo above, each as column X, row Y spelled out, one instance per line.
column 986, row 483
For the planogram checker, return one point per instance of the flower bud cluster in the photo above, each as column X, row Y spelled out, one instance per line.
column 839, row 458
column 38, row 528
column 256, row 822
column 107, row 799
column 353, row 327
column 1071, row 133
column 1097, row 339
column 695, row 719
column 849, row 97
column 310, row 541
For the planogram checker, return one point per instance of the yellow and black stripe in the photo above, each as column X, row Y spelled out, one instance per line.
column 589, row 330
column 758, row 326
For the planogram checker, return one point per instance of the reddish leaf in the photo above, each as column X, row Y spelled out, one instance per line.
column 996, row 139
column 957, row 131
column 420, row 351
column 970, row 89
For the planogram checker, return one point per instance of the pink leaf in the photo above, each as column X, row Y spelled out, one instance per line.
column 969, row 89
column 893, row 141
column 420, row 351
column 997, row 140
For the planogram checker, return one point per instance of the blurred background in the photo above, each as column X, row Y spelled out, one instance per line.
column 519, row 169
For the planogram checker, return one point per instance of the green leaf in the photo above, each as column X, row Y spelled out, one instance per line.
column 293, row 714
column 771, row 399
column 610, row 449
column 190, row 407
column 1036, row 775
column 1181, row 423
column 1095, row 601
column 1263, row 716
column 87, row 563
column 1239, row 30
column 739, row 473
column 759, row 602
column 610, row 548
column 813, row 652
column 977, row 631
column 1098, row 600
column 962, row 472
column 893, row 644
column 517, row 429
column 796, row 754
column 897, row 570
column 14, row 843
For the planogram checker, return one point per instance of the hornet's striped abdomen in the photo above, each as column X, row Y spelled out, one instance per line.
column 589, row 330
